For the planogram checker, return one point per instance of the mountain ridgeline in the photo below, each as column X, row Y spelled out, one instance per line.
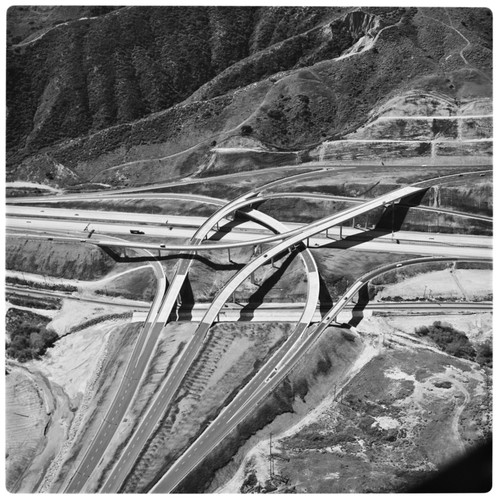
column 127, row 95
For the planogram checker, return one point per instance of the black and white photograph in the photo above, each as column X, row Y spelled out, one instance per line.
column 248, row 248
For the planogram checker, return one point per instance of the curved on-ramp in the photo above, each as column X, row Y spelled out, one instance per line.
column 182, row 365
column 190, row 352
column 238, row 409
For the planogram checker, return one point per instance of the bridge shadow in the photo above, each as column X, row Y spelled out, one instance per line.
column 118, row 257
column 392, row 219
column 257, row 298
column 185, row 311
column 325, row 299
column 395, row 215
column 359, row 307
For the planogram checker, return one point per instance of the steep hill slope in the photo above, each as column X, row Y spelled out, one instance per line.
column 142, row 94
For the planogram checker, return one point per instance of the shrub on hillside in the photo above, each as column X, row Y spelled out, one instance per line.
column 448, row 339
column 485, row 354
column 29, row 341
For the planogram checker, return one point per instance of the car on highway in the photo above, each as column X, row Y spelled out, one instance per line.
column 136, row 231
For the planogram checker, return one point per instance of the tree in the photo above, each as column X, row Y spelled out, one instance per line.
column 246, row 130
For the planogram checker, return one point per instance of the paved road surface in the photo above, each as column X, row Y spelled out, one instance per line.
column 261, row 385
column 171, row 385
column 289, row 240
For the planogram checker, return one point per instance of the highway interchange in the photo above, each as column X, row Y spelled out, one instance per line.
column 190, row 235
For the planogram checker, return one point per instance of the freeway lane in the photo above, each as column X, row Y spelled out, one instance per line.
column 260, row 386
column 265, row 312
column 290, row 242
column 172, row 219
column 401, row 242
column 187, row 357
column 144, row 220
column 326, row 223
column 172, row 383
column 141, row 356
column 126, row 390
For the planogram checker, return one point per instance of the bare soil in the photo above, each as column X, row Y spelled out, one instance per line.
column 404, row 414
column 462, row 284
column 52, row 392
column 27, row 415
column 114, row 346
column 232, row 354
column 57, row 259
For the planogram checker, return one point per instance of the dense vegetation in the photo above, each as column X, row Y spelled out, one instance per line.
column 34, row 302
column 29, row 337
column 484, row 354
column 448, row 339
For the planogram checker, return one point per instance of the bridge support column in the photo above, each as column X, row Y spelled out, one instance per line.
column 229, row 254
column 125, row 252
column 340, row 231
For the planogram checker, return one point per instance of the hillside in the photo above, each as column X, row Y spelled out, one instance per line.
column 136, row 95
